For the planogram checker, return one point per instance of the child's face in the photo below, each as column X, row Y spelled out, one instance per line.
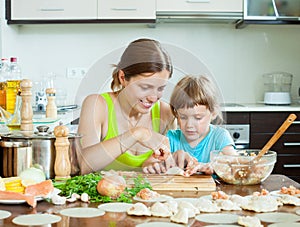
column 194, row 123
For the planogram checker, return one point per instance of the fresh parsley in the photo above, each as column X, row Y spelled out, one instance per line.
column 88, row 184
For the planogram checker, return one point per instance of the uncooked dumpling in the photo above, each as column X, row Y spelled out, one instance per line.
column 175, row 171
column 226, row 204
column 192, row 210
column 249, row 221
column 289, row 200
column 172, row 205
column 206, row 205
column 139, row 209
column 265, row 203
column 159, row 209
column 239, row 200
column 181, row 216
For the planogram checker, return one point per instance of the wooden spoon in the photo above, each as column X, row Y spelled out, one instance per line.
column 245, row 171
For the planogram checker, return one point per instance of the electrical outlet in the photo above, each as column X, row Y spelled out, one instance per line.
column 76, row 72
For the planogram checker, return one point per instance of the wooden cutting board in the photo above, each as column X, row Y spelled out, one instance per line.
column 179, row 183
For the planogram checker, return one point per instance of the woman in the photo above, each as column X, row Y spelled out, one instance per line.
column 124, row 128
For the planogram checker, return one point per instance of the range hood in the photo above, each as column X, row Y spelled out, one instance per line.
column 188, row 11
column 270, row 12
column 190, row 17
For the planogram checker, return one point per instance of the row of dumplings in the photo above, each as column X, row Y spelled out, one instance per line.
column 180, row 211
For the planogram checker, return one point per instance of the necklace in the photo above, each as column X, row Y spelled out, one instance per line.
column 132, row 121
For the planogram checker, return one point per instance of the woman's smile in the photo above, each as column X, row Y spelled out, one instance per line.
column 146, row 104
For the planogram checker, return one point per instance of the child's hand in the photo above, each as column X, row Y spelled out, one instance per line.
column 184, row 160
column 205, row 168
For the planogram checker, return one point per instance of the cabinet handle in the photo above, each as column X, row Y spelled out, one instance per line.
column 51, row 10
column 197, row 1
column 291, row 165
column 291, row 144
column 124, row 9
column 296, row 123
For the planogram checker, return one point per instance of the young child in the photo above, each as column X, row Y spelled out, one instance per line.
column 194, row 102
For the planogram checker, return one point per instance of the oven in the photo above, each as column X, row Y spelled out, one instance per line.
column 240, row 134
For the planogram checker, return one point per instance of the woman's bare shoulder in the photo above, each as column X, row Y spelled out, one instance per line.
column 93, row 104
column 92, row 98
column 93, row 113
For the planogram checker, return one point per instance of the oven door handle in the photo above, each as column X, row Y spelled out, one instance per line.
column 291, row 165
column 290, row 144
column 241, row 146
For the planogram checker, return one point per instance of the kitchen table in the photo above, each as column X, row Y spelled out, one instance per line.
column 273, row 182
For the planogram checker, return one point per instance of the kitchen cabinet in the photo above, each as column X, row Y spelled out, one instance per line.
column 80, row 11
column 262, row 127
column 200, row 6
column 126, row 9
column 52, row 9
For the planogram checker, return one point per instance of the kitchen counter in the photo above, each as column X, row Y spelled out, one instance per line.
column 273, row 182
column 259, row 107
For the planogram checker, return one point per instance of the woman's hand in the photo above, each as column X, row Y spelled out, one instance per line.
column 152, row 165
column 154, row 141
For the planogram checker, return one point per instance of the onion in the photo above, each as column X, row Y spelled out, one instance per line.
column 32, row 174
column 111, row 185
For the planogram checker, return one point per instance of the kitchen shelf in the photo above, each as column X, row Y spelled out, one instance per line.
column 96, row 21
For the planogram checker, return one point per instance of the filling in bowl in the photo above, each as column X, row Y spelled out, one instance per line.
column 242, row 169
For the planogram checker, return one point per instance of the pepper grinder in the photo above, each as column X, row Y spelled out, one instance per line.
column 51, row 109
column 26, row 107
column 62, row 165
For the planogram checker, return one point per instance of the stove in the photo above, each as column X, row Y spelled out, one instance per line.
column 240, row 134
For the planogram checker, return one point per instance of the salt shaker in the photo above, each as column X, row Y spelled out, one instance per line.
column 51, row 109
column 62, row 165
column 26, row 107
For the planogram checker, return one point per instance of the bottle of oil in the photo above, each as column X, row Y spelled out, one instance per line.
column 14, row 122
column 4, row 75
column 13, row 85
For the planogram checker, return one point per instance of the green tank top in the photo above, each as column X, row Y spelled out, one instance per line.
column 127, row 161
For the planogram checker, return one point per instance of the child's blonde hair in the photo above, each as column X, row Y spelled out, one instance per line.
column 196, row 90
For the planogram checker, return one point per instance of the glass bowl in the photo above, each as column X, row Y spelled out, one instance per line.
column 239, row 169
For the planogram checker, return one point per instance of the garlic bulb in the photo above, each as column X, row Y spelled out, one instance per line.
column 58, row 200
column 84, row 197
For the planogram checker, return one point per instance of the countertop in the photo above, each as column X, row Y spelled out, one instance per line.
column 273, row 182
column 259, row 107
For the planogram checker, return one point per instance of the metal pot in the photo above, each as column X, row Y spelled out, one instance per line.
column 21, row 151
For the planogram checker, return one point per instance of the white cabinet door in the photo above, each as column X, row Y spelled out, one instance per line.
column 126, row 9
column 200, row 5
column 53, row 9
